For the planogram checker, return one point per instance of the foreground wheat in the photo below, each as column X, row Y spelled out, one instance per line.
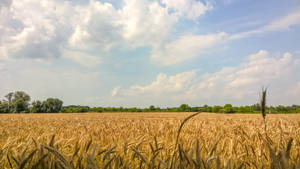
column 149, row 141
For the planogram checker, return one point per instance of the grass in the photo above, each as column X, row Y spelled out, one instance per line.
column 152, row 140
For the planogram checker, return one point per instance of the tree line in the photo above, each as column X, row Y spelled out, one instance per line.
column 228, row 108
column 19, row 102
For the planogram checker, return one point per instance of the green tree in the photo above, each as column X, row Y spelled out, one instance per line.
column 37, row 107
column 99, row 109
column 194, row 109
column 9, row 97
column 216, row 109
column 228, row 108
column 256, row 107
column 52, row 105
column 152, row 108
column 4, row 107
column 184, row 108
column 20, row 102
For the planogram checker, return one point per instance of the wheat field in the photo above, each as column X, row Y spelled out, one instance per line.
column 149, row 140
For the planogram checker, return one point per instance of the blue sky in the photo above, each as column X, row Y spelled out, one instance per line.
column 144, row 52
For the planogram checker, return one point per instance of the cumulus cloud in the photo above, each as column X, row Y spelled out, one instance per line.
column 96, row 26
column 47, row 29
column 190, row 9
column 44, row 29
column 239, row 84
column 33, row 29
column 243, row 81
column 146, row 23
column 186, row 48
column 162, row 84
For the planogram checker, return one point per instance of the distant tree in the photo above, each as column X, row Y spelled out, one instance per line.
column 256, row 107
column 281, row 108
column 37, row 107
column 228, row 108
column 52, row 105
column 20, row 102
column 295, row 107
column 115, row 109
column 107, row 109
column 20, row 106
column 194, row 109
column 99, row 109
column 235, row 109
column 184, row 108
column 152, row 108
column 83, row 109
column 21, row 95
column 133, row 109
column 242, row 109
column 9, row 97
column 158, row 109
column 216, row 109
column 4, row 107
column 208, row 109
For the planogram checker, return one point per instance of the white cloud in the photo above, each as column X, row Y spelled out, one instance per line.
column 159, row 92
column 284, row 23
column 145, row 23
column 83, row 58
column 186, row 48
column 42, row 29
column 238, row 84
column 281, row 24
column 190, row 9
column 45, row 29
column 243, row 81
column 33, row 29
column 100, row 26
column 163, row 84
column 96, row 27
column 136, row 23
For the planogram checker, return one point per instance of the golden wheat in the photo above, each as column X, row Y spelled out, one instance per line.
column 152, row 140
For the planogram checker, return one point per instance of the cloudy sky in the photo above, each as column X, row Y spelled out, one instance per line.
column 144, row 52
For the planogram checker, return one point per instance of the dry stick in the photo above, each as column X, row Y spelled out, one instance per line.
column 9, row 161
column 178, row 133
column 263, row 106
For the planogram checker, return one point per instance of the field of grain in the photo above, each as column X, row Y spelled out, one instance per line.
column 148, row 140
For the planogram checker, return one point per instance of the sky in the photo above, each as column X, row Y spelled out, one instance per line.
column 151, row 52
